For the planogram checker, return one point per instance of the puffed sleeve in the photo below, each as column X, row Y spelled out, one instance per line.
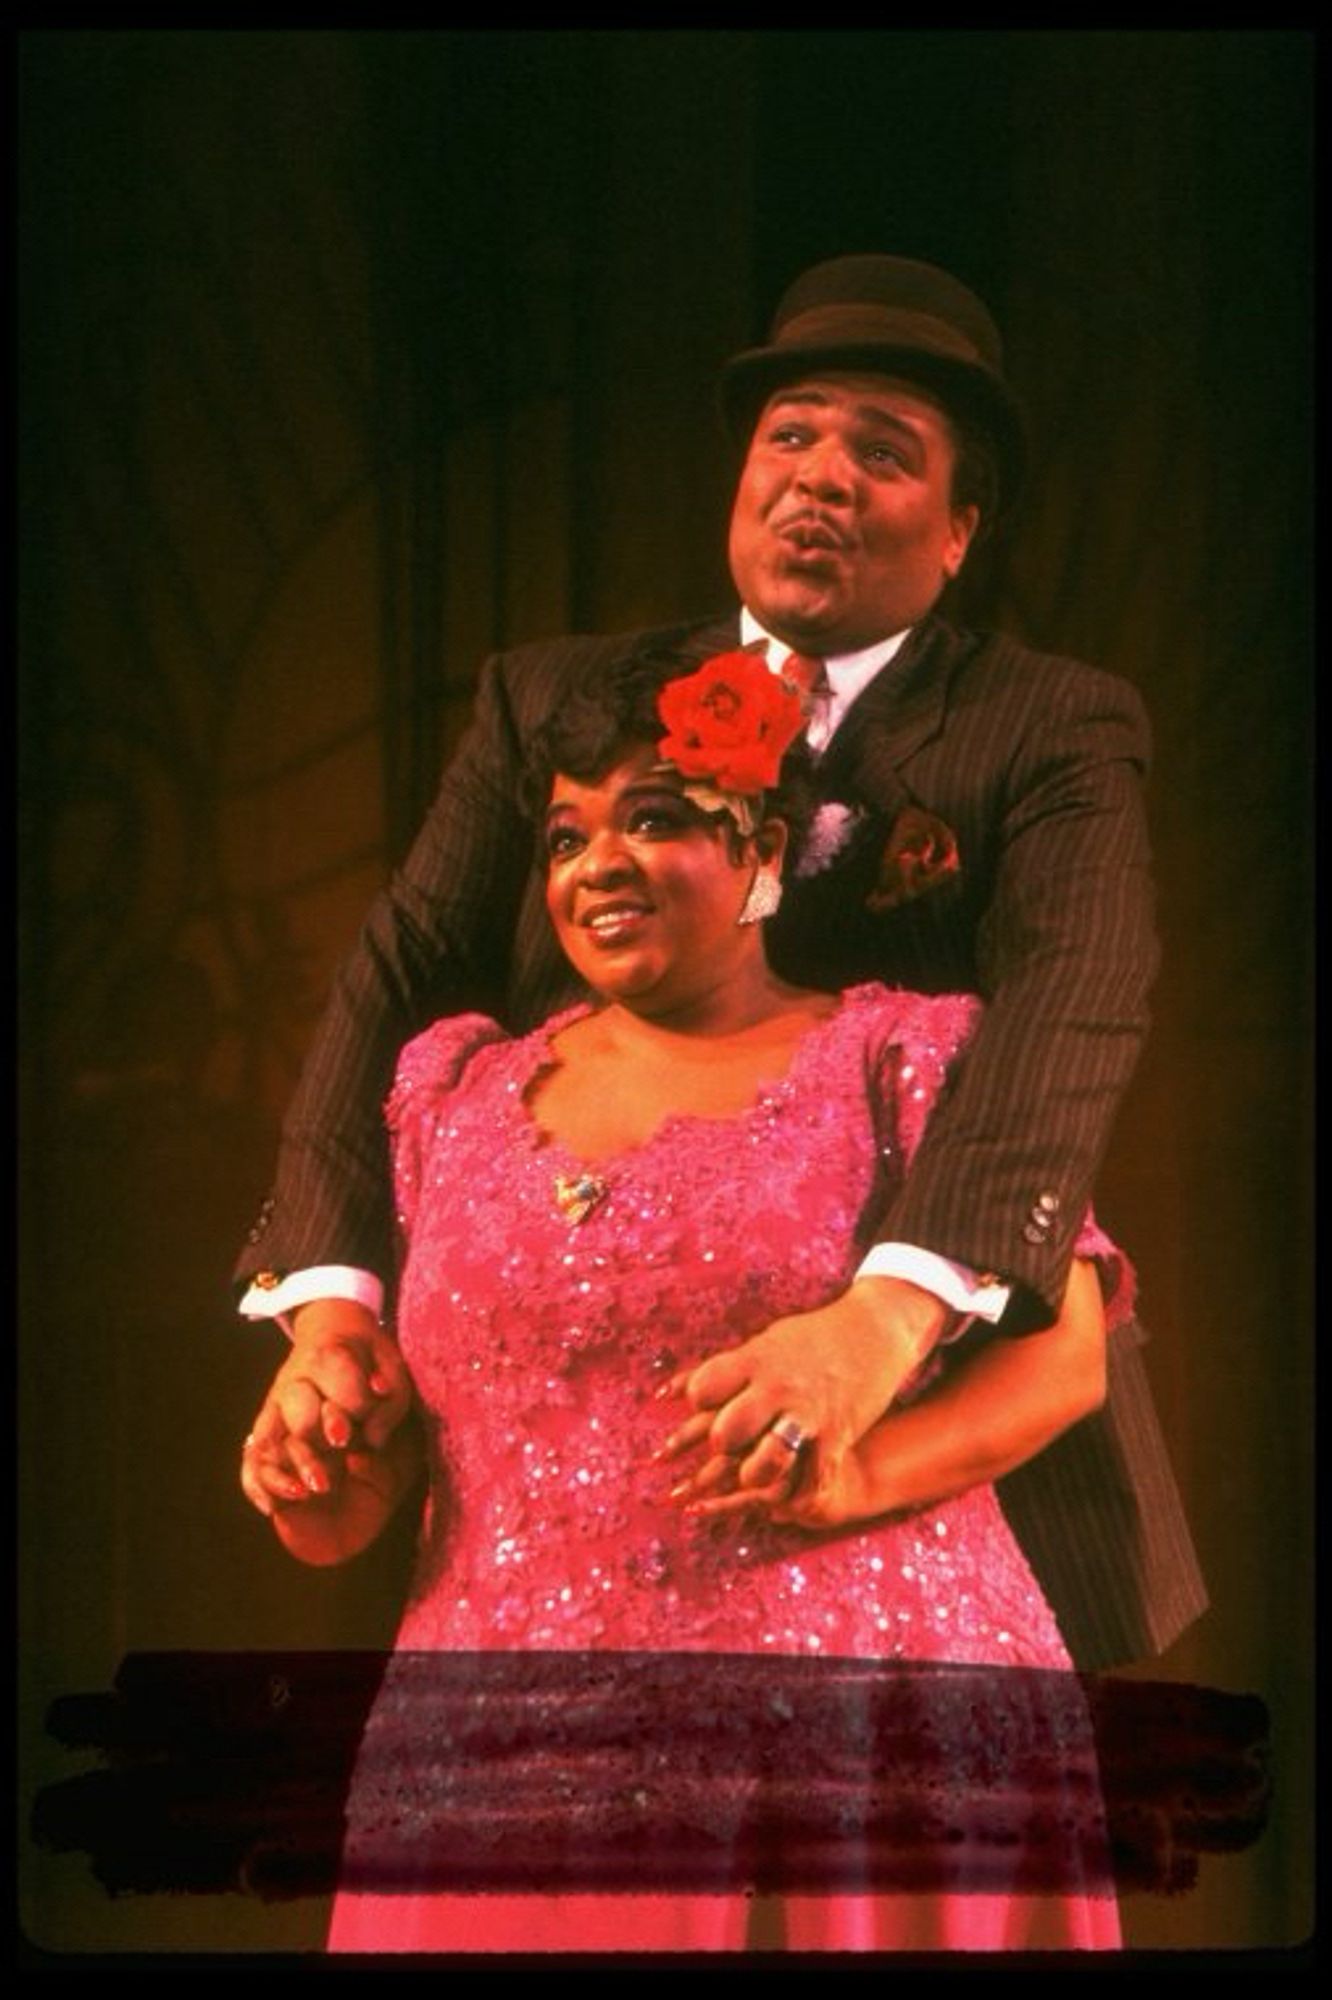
column 431, row 1068
column 916, row 1039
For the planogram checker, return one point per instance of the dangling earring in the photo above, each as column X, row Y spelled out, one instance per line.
column 763, row 901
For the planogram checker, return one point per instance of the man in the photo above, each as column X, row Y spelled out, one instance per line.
column 991, row 803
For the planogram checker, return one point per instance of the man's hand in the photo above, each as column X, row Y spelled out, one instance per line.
column 1003, row 1401
column 833, row 1372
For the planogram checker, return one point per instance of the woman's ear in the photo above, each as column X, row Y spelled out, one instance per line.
column 765, row 849
column 770, row 841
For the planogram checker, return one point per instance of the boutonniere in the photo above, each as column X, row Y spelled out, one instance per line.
column 920, row 854
column 829, row 832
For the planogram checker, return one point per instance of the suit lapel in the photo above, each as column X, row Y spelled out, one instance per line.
column 902, row 708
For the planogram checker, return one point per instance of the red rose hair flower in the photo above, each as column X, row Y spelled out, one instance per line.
column 730, row 723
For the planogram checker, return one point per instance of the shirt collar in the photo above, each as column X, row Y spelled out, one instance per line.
column 848, row 673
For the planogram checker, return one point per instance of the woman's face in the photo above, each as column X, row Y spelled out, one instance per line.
column 645, row 891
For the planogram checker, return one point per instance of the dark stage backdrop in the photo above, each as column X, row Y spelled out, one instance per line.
column 347, row 357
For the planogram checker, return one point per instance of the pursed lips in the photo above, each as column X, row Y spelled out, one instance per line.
column 810, row 531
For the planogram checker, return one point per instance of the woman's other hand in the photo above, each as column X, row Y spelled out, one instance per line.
column 1000, row 1401
column 824, row 1377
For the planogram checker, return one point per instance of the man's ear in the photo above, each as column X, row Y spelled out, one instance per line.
column 966, row 520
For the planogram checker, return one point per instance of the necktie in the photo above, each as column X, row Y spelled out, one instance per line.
column 809, row 677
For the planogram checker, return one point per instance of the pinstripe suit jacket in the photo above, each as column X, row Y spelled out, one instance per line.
column 1035, row 763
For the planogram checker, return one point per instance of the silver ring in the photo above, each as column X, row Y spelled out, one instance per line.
column 791, row 1433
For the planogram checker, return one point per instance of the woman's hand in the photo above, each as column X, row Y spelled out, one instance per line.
column 326, row 1506
column 329, row 1438
column 343, row 1372
column 825, row 1377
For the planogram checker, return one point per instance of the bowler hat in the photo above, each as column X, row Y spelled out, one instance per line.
column 896, row 317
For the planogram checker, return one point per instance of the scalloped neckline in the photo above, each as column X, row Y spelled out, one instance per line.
column 545, row 1058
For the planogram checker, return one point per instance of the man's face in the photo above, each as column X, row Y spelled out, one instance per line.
column 844, row 528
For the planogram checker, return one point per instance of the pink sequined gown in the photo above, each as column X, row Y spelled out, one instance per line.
column 537, row 1343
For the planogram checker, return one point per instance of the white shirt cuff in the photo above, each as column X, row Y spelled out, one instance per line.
column 271, row 1297
column 965, row 1290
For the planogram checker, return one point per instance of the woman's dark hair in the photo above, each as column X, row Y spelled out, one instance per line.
column 607, row 712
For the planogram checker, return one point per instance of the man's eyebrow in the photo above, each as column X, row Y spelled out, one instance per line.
column 869, row 413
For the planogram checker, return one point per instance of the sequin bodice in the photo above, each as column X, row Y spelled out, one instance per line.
column 537, row 1343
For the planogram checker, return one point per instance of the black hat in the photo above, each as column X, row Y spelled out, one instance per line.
column 894, row 316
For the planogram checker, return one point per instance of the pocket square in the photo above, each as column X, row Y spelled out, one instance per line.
column 920, row 854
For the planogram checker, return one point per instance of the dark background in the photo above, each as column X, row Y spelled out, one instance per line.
column 345, row 357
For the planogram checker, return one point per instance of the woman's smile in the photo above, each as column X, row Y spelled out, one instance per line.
column 646, row 889
column 616, row 920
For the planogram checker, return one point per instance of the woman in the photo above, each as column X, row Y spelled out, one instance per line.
column 591, row 1214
